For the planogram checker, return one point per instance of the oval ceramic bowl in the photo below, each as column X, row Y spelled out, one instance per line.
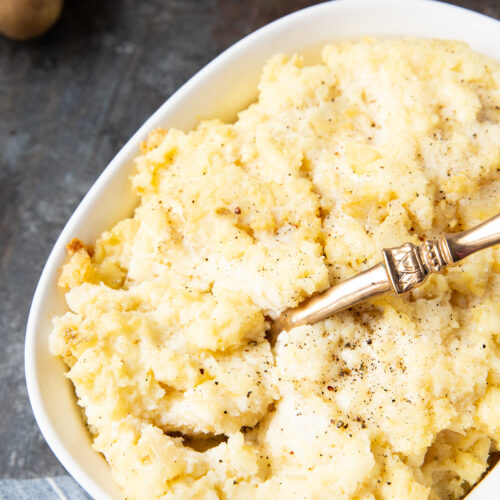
column 221, row 89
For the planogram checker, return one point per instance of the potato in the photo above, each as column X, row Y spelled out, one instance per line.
column 23, row 19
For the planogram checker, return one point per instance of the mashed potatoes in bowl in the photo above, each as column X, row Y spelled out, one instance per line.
column 382, row 142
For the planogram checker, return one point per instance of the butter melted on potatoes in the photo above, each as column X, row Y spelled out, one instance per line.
column 383, row 142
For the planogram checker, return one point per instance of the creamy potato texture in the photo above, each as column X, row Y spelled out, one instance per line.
column 381, row 143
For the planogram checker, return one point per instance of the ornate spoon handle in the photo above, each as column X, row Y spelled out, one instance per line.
column 403, row 269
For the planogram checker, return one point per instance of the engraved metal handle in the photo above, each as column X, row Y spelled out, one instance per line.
column 403, row 269
column 409, row 265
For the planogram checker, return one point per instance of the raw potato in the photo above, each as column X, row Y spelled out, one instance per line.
column 23, row 19
column 383, row 142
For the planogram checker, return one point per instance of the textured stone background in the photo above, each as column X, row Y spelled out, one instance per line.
column 68, row 102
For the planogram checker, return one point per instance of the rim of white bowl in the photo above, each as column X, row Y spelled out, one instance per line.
column 53, row 261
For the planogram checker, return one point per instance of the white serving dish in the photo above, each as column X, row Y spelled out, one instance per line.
column 223, row 87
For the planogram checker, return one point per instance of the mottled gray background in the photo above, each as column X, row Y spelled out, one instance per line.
column 68, row 101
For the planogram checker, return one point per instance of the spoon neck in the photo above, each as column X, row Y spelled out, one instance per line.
column 463, row 244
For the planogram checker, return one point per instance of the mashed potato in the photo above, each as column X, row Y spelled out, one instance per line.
column 381, row 143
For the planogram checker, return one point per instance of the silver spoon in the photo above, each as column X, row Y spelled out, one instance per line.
column 402, row 269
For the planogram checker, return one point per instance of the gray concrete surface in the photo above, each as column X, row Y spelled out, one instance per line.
column 68, row 102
